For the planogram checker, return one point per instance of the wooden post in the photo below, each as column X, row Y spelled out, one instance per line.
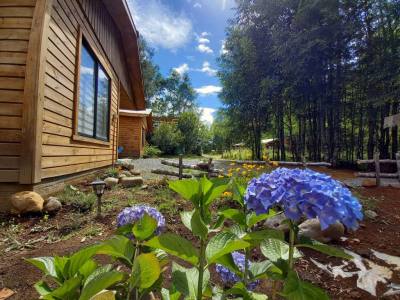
column 180, row 166
column 209, row 168
column 398, row 164
column 377, row 169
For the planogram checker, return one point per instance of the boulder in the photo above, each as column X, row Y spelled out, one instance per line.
column 276, row 222
column 52, row 205
column 135, row 172
column 126, row 164
column 370, row 214
column 312, row 229
column 368, row 182
column 111, row 182
column 25, row 202
column 131, row 181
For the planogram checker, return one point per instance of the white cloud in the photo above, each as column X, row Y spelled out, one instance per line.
column 203, row 40
column 207, row 115
column 223, row 50
column 182, row 69
column 208, row 90
column 204, row 49
column 197, row 5
column 205, row 33
column 160, row 25
column 208, row 69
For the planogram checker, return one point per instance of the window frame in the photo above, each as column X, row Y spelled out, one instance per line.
column 83, row 42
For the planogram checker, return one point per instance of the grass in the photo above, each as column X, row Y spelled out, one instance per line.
column 77, row 199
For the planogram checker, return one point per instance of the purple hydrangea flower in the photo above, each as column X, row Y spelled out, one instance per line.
column 230, row 277
column 130, row 215
column 304, row 193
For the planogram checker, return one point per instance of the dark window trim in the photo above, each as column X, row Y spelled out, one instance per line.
column 97, row 66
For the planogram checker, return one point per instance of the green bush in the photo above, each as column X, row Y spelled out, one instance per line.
column 151, row 151
column 112, row 172
column 167, row 138
column 78, row 200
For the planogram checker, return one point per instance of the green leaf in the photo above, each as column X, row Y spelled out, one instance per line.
column 144, row 228
column 118, row 246
column 88, row 268
column 175, row 245
column 186, row 280
column 235, row 215
column 329, row 250
column 252, row 218
column 104, row 295
column 44, row 264
column 228, row 262
column 223, row 243
column 275, row 250
column 99, row 283
column 296, row 289
column 68, row 290
column 78, row 259
column 42, row 288
column 61, row 264
column 256, row 237
column 125, row 229
column 258, row 269
column 98, row 271
column 170, row 294
column 186, row 218
column 188, row 189
column 237, row 230
column 240, row 289
column 199, row 228
column 146, row 270
column 239, row 191
column 218, row 186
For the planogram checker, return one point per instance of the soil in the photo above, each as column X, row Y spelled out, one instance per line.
column 68, row 231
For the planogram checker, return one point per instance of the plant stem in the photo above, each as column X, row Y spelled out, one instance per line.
column 291, row 244
column 246, row 267
column 201, row 270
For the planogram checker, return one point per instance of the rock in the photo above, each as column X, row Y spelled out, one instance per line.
column 111, row 182
column 276, row 222
column 368, row 183
column 24, row 202
column 312, row 229
column 370, row 214
column 126, row 164
column 126, row 173
column 121, row 176
column 144, row 187
column 52, row 205
column 131, row 181
column 135, row 172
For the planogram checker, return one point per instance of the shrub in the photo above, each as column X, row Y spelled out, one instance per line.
column 167, row 138
column 151, row 151
column 112, row 172
column 76, row 199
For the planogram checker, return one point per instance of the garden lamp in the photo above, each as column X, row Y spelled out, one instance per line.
column 99, row 187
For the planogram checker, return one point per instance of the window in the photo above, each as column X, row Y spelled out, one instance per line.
column 94, row 97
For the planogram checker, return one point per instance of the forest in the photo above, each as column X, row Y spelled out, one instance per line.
column 319, row 75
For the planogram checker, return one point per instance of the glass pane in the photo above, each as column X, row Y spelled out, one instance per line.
column 86, row 94
column 103, row 99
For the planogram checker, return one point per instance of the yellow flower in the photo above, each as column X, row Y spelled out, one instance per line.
column 230, row 174
column 237, row 169
column 274, row 163
column 220, row 176
column 227, row 194
column 232, row 164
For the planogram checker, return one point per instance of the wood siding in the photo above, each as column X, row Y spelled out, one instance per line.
column 15, row 27
column 61, row 153
column 130, row 135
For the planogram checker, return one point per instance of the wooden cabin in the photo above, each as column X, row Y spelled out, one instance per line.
column 66, row 68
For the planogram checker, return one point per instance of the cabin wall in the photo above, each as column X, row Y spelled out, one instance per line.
column 61, row 153
column 130, row 135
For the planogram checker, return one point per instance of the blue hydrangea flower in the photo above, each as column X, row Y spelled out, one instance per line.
column 130, row 215
column 304, row 193
column 230, row 277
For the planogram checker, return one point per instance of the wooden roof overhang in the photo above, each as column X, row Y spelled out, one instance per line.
column 147, row 113
column 120, row 12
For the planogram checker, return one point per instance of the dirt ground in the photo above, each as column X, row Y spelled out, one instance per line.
column 34, row 236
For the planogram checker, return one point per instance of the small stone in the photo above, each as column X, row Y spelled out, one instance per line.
column 276, row 222
column 25, row 202
column 369, row 183
column 355, row 241
column 370, row 214
column 52, row 205
column 135, row 172
column 121, row 176
column 131, row 181
column 111, row 182
column 144, row 187
column 126, row 164
column 126, row 173
column 312, row 229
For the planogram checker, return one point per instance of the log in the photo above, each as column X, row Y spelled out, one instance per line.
column 176, row 165
column 307, row 164
column 373, row 175
column 249, row 162
column 377, row 169
column 371, row 161
column 170, row 173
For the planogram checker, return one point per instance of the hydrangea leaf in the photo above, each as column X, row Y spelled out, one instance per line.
column 228, row 262
column 88, row 268
column 256, row 237
column 239, row 289
column 44, row 264
column 188, row 189
column 276, row 250
column 118, row 247
column 223, row 243
column 68, row 290
column 326, row 249
column 170, row 294
column 252, row 218
column 42, row 288
column 218, row 186
column 296, row 289
column 239, row 191
column 144, row 227
column 99, row 283
column 235, row 215
column 146, row 270
column 186, row 280
column 175, row 245
column 104, row 295
column 259, row 268
column 78, row 259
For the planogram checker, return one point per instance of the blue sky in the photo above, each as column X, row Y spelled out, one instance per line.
column 188, row 36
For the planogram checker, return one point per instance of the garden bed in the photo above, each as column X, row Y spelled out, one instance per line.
column 69, row 230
